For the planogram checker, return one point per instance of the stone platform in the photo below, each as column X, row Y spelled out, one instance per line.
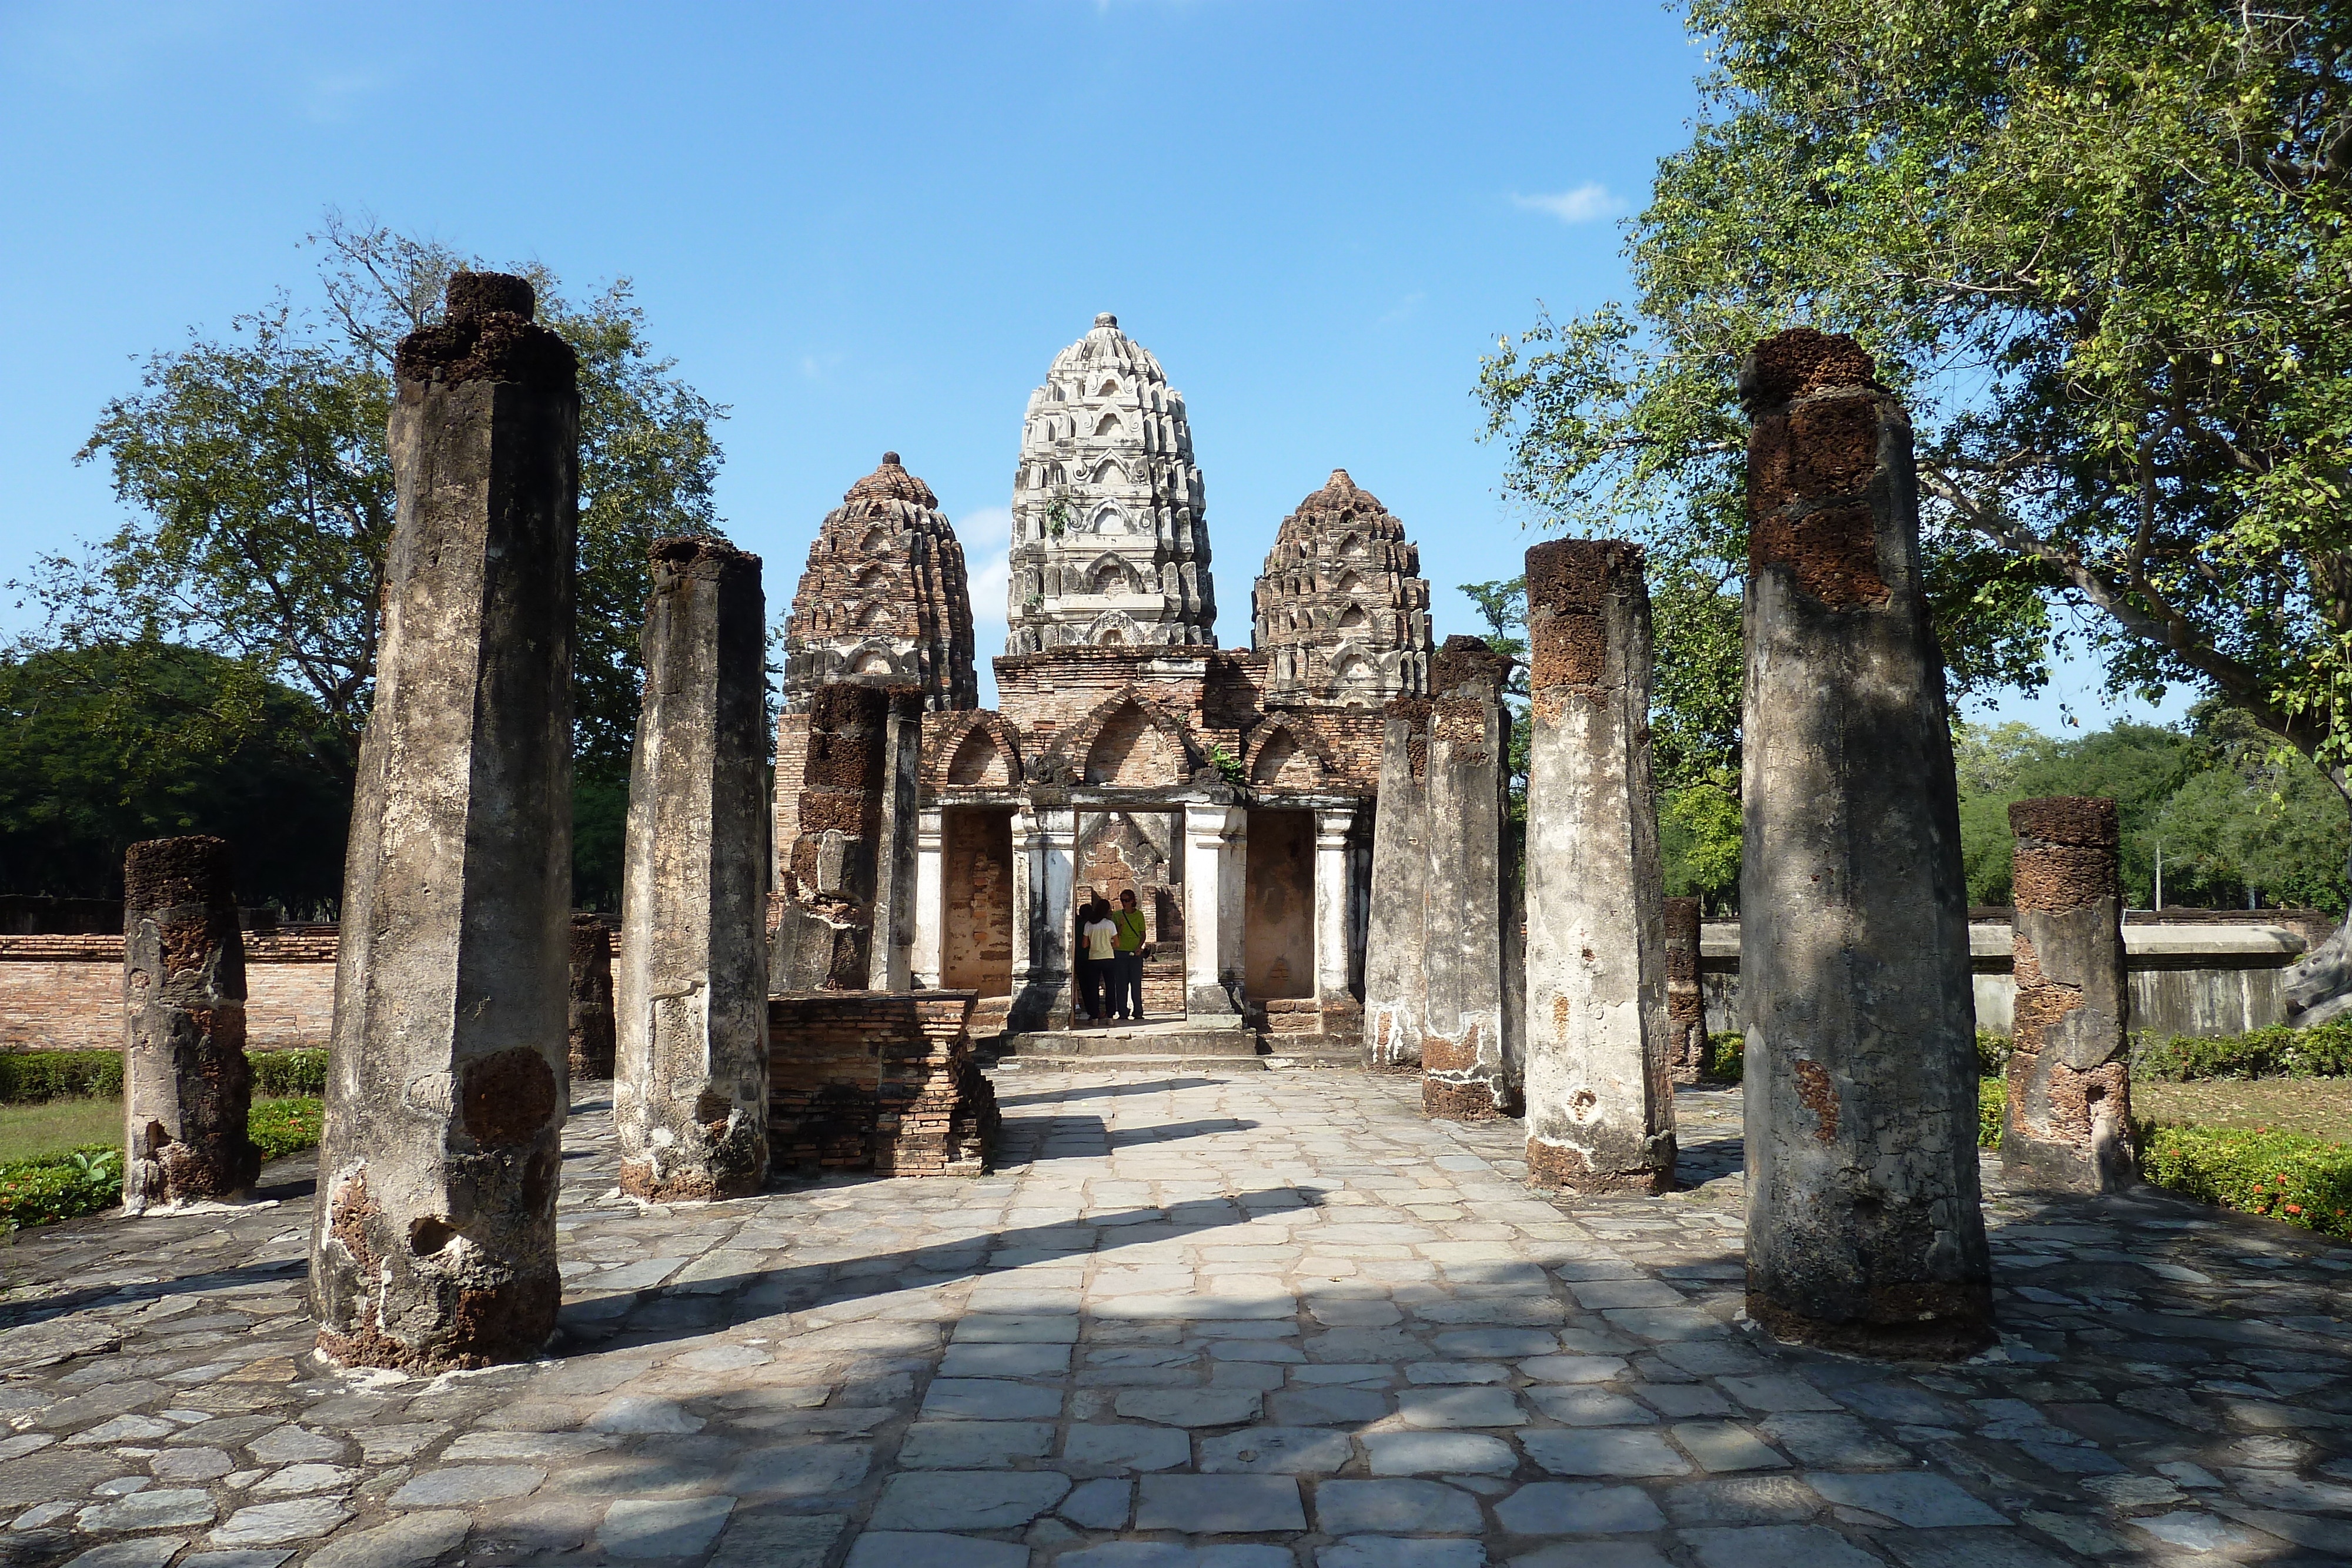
column 1197, row 1319
column 1167, row 1045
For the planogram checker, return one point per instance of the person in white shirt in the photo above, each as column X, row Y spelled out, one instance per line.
column 1097, row 946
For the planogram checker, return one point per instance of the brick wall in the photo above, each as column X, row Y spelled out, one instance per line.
column 877, row 1081
column 64, row 993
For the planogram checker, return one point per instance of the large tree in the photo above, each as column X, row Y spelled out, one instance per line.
column 2100, row 248
column 262, row 495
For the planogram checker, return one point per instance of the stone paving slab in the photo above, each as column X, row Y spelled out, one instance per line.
column 1253, row 1320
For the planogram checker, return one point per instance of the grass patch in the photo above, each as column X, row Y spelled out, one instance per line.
column 63, row 1181
column 2314, row 1108
column 30, row 1077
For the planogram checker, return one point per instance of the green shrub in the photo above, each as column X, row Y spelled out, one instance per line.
column 282, row 1127
column 1726, row 1057
column 50, row 1188
column 2323, row 1050
column 1992, row 1053
column 1992, row 1103
column 60, row 1187
column 28, row 1077
column 2285, row 1176
column 280, row 1073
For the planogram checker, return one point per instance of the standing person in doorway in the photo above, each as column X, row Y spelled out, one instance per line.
column 1126, row 959
column 1097, row 939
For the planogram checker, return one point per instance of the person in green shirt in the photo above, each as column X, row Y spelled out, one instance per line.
column 1126, row 959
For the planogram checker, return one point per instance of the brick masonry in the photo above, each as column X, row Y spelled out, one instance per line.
column 877, row 1080
column 64, row 993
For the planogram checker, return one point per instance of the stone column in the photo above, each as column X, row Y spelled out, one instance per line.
column 434, row 1244
column 1216, row 839
column 1686, row 1002
column 825, row 937
column 931, row 898
column 187, row 1088
column 1331, row 892
column 1470, row 1044
column 1044, row 868
column 591, row 997
column 2068, row 1126
column 1600, row 1107
column 1865, row 1229
column 690, row 1097
column 890, row 964
column 1395, row 977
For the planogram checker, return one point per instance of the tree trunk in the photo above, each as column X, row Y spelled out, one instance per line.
column 2319, row 986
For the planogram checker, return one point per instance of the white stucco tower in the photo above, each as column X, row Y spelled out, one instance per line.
column 1109, row 547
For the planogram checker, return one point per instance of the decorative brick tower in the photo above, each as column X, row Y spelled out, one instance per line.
column 1110, row 546
column 884, row 598
column 1342, row 610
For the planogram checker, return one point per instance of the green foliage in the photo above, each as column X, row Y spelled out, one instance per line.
column 1992, row 1052
column 51, row 1188
column 2323, row 1051
column 256, row 467
column 30, row 1076
column 2099, row 249
column 600, row 822
column 1698, row 842
column 2283, row 1176
column 103, row 746
column 1503, row 605
column 282, row 1127
column 2139, row 767
column 1726, row 1057
column 1992, row 1106
column 1229, row 767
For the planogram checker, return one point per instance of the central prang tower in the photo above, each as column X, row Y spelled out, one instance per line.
column 1110, row 546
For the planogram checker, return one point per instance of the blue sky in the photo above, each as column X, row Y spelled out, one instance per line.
column 871, row 226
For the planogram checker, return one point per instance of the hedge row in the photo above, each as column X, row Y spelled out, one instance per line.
column 2285, row 1176
column 30, row 1076
column 50, row 1188
column 2323, row 1050
column 1992, row 1104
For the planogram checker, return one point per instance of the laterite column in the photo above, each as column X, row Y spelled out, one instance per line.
column 434, row 1244
column 592, row 998
column 1685, row 1001
column 1470, row 1046
column 1864, row 1228
column 187, row 1088
column 1395, row 986
column 1600, row 1107
column 690, row 1097
column 2068, row 1125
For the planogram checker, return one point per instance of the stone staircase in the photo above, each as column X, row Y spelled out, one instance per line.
column 1186, row 1044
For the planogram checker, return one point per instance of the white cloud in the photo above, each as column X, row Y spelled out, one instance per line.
column 1588, row 200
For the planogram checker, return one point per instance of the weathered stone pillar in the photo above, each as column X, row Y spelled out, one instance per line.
column 187, row 1088
column 890, row 963
column 2068, row 1126
column 825, row 938
column 1601, row 1108
column 1216, row 841
column 1685, row 1001
column 1865, row 1231
column 1470, row 1045
column 1395, row 976
column 1337, row 1003
column 434, row 1244
column 690, row 1097
column 1045, row 872
column 931, row 898
column 591, row 997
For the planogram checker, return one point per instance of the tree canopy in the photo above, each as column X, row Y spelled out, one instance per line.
column 2100, row 248
column 263, row 498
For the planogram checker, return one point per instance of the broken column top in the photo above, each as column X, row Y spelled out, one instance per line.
column 698, row 555
column 161, row 874
column 488, row 334
column 1801, row 362
column 2088, row 821
column 1567, row 581
column 2067, row 857
column 1464, row 660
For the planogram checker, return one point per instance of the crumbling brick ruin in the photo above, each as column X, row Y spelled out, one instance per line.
column 1600, row 1105
column 186, row 1085
column 590, row 1004
column 690, row 1097
column 434, row 1240
column 884, row 597
column 1865, row 1231
column 1342, row 610
column 1685, row 1001
column 878, row 1081
column 850, row 863
column 2068, row 1123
